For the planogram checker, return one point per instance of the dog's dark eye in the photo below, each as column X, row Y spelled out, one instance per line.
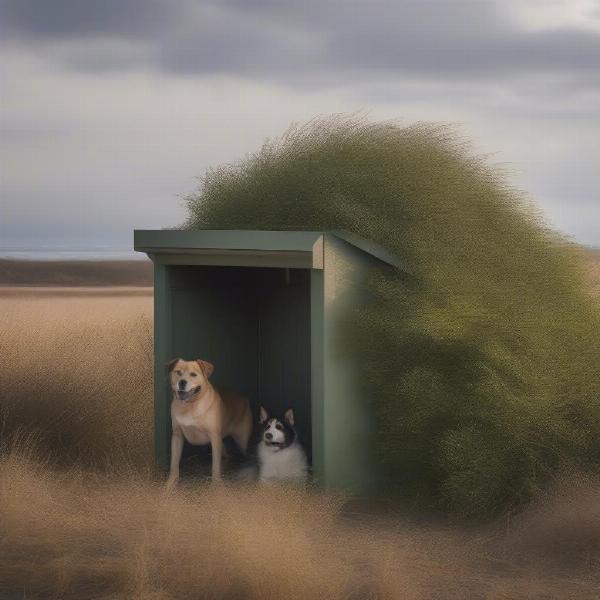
column 177, row 372
column 193, row 374
column 279, row 427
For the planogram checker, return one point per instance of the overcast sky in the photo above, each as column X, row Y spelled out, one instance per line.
column 112, row 109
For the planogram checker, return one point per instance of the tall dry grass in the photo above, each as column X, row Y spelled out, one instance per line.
column 82, row 516
column 74, row 534
column 77, row 371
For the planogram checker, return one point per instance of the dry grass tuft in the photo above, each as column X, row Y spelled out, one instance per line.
column 562, row 529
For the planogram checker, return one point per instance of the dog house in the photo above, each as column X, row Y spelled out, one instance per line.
column 263, row 307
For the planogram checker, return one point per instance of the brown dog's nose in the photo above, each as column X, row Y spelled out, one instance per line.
column 182, row 383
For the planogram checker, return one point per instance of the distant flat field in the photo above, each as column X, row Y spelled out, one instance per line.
column 78, row 291
column 42, row 291
column 76, row 273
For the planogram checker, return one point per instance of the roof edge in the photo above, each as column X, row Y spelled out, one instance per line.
column 372, row 248
column 170, row 240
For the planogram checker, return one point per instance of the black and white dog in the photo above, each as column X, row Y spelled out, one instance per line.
column 280, row 455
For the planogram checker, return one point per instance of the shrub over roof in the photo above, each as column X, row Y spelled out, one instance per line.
column 485, row 369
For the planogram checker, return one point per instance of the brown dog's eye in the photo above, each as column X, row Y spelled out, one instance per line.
column 193, row 374
column 177, row 372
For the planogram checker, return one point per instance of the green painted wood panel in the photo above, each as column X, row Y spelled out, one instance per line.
column 294, row 260
column 317, row 383
column 162, row 354
column 230, row 239
column 347, row 420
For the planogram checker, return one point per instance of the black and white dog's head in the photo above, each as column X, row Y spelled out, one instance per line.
column 277, row 433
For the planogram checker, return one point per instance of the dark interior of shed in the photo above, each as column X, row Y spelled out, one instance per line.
column 254, row 325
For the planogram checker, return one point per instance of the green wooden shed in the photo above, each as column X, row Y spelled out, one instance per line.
column 262, row 306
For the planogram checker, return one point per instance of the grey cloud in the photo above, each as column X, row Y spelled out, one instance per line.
column 566, row 53
column 231, row 42
column 33, row 19
column 293, row 41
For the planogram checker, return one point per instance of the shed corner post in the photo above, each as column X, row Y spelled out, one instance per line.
column 317, row 380
column 162, row 350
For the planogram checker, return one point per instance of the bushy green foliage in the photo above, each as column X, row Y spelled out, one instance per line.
column 486, row 365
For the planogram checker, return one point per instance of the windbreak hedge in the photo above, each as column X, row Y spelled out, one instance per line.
column 483, row 369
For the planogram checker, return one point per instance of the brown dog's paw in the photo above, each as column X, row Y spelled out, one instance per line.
column 171, row 483
column 216, row 480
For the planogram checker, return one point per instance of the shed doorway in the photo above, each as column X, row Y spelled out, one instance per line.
column 253, row 324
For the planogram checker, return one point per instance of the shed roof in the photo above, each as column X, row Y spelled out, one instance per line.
column 294, row 246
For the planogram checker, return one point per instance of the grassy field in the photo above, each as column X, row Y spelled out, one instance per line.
column 84, row 515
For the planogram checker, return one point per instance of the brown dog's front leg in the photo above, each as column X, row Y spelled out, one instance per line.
column 216, row 442
column 176, row 449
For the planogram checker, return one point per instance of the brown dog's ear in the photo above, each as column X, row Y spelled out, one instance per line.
column 171, row 364
column 264, row 415
column 207, row 368
column 289, row 416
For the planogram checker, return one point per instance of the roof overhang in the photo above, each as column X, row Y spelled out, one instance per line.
column 244, row 248
column 250, row 248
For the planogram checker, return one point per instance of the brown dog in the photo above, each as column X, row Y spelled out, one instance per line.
column 204, row 415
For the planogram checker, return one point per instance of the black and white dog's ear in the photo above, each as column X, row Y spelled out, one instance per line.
column 264, row 415
column 289, row 416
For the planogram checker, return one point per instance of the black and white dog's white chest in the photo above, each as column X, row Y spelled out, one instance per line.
column 282, row 464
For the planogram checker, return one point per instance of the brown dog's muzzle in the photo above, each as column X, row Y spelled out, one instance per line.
column 185, row 395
